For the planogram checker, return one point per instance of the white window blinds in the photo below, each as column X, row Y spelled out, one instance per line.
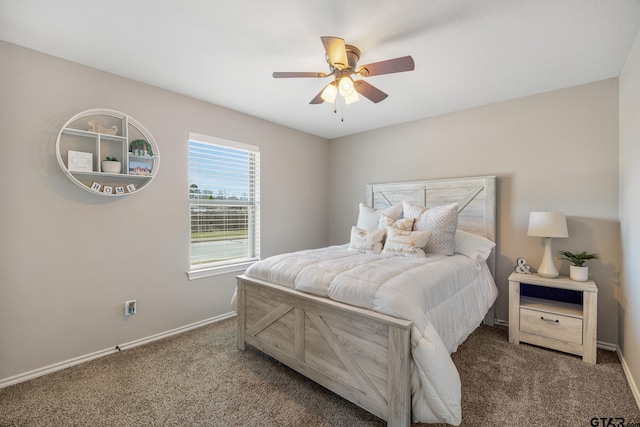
column 224, row 191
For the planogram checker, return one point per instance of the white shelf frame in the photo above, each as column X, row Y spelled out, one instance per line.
column 119, row 179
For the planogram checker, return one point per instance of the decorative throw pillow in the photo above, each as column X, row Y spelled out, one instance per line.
column 411, row 210
column 405, row 243
column 366, row 241
column 475, row 247
column 369, row 218
column 442, row 222
column 405, row 224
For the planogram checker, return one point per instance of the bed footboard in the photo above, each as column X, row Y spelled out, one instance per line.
column 358, row 354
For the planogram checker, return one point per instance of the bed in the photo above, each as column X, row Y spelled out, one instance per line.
column 355, row 321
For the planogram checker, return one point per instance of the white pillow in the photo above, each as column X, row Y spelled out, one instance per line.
column 369, row 218
column 441, row 221
column 405, row 224
column 475, row 247
column 405, row 243
column 411, row 210
column 366, row 241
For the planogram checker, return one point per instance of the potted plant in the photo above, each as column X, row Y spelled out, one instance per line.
column 111, row 165
column 578, row 271
column 140, row 147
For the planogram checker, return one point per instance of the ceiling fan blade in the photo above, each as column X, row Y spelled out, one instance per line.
column 318, row 99
column 336, row 52
column 369, row 91
column 396, row 65
column 285, row 74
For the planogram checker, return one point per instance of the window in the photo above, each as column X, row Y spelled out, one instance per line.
column 224, row 203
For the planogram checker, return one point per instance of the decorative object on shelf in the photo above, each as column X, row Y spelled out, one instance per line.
column 107, row 189
column 131, row 188
column 111, row 165
column 79, row 161
column 141, row 167
column 95, row 126
column 522, row 266
column 119, row 190
column 547, row 225
column 95, row 186
column 578, row 271
column 140, row 147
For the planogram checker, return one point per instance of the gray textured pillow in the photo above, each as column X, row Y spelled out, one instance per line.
column 369, row 218
column 442, row 222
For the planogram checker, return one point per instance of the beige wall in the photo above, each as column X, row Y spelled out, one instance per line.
column 553, row 151
column 69, row 259
column 629, row 300
column 66, row 264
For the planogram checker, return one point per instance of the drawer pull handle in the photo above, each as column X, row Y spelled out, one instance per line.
column 549, row 320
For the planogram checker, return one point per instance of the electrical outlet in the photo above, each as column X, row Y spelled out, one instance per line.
column 129, row 307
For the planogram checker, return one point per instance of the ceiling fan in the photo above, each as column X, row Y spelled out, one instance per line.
column 343, row 63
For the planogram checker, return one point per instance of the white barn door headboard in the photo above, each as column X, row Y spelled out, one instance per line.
column 476, row 198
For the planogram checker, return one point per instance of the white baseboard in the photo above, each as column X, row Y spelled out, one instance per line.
column 87, row 357
column 627, row 373
column 500, row 322
column 607, row 346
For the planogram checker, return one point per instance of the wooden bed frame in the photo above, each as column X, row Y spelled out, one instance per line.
column 359, row 354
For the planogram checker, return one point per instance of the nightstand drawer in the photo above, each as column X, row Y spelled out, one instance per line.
column 550, row 325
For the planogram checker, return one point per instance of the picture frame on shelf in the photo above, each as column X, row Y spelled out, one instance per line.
column 141, row 167
column 79, row 161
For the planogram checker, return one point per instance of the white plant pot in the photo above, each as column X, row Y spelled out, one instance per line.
column 579, row 274
column 111, row 167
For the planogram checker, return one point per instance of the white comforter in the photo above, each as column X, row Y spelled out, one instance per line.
column 446, row 298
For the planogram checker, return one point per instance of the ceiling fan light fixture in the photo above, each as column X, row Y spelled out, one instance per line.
column 343, row 63
column 346, row 86
column 329, row 93
column 353, row 97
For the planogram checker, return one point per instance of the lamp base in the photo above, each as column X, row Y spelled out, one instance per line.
column 548, row 267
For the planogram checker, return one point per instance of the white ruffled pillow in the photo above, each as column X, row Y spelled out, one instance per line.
column 475, row 247
column 441, row 221
column 405, row 243
column 369, row 218
column 366, row 241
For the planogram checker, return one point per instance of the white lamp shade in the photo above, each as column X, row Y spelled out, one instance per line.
column 346, row 87
column 353, row 97
column 329, row 93
column 547, row 224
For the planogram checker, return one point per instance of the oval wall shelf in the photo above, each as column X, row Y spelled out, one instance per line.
column 90, row 137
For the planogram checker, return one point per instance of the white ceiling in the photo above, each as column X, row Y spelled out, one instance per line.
column 467, row 52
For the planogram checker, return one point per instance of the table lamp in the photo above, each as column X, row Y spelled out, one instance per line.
column 547, row 225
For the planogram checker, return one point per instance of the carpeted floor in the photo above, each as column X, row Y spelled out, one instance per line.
column 199, row 378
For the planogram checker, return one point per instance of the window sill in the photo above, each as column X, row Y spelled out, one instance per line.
column 215, row 271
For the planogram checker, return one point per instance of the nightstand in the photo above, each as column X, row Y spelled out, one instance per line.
column 557, row 313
